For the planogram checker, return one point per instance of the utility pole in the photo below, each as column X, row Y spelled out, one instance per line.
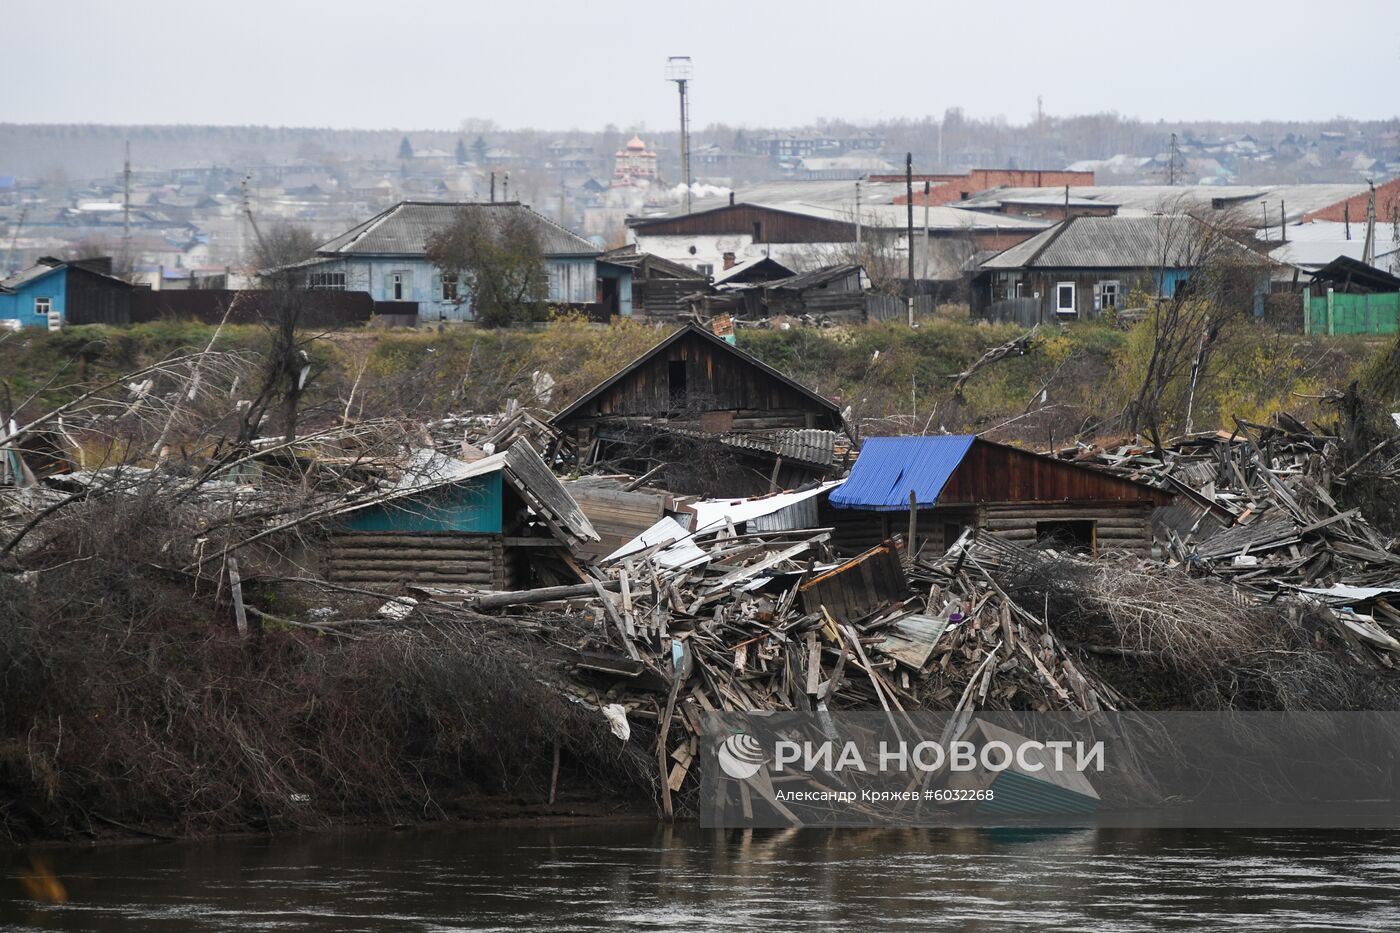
column 126, row 206
column 909, row 198
column 248, row 212
column 14, row 242
column 925, row 264
column 1173, row 174
column 493, row 187
column 679, row 70
column 1346, row 217
column 505, row 187
column 1368, row 248
column 858, row 259
column 1282, row 221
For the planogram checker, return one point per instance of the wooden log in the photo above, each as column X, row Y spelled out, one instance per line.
column 542, row 595
column 396, row 554
column 235, row 586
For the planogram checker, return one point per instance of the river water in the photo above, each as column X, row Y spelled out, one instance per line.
column 638, row 876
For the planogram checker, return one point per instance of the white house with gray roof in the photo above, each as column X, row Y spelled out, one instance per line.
column 387, row 257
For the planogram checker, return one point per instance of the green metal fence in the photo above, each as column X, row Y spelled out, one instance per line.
column 1350, row 314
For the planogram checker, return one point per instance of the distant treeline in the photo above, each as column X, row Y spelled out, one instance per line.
column 67, row 152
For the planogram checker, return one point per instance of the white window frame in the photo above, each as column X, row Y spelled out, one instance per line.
column 450, row 287
column 1061, row 309
column 43, row 306
column 326, row 281
column 396, row 284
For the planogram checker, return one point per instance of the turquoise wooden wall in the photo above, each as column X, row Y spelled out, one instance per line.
column 473, row 505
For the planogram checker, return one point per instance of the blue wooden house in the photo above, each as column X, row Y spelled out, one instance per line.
column 386, row 256
column 485, row 524
column 54, row 292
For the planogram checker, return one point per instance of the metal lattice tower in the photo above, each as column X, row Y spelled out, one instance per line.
column 679, row 69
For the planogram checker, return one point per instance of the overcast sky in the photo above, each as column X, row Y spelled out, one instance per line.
column 428, row 64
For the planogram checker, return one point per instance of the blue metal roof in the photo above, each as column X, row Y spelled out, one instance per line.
column 889, row 468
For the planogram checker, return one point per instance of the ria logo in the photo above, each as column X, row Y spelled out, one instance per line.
column 740, row 756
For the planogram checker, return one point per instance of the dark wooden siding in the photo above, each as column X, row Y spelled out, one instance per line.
column 716, row 380
column 996, row 473
column 96, row 299
column 664, row 298
column 318, row 307
column 858, row 587
column 775, row 226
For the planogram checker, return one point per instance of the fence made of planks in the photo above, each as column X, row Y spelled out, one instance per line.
column 1350, row 314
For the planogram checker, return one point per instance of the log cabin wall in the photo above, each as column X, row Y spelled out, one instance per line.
column 448, row 558
column 1115, row 526
column 1125, row 527
column 857, row 530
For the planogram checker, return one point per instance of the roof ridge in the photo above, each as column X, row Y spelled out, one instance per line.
column 1055, row 233
column 691, row 327
column 559, row 226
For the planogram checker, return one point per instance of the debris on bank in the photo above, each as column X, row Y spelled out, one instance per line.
column 700, row 533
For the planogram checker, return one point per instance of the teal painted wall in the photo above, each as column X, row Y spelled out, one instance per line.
column 53, row 286
column 471, row 505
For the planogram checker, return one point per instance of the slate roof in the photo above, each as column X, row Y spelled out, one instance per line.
column 1139, row 200
column 1107, row 243
column 404, row 229
column 656, row 266
column 759, row 266
column 836, row 200
column 36, row 271
column 815, row 277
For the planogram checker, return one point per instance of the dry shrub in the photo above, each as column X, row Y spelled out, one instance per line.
column 1184, row 643
column 127, row 700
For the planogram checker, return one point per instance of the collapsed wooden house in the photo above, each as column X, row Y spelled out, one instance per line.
column 492, row 523
column 662, row 290
column 961, row 481
column 695, row 404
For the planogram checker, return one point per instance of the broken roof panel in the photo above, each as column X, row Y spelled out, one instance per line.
column 712, row 513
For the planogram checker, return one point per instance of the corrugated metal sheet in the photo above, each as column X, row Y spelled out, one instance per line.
column 889, row 468
column 810, row 445
column 711, row 514
column 1164, row 241
column 404, row 229
column 795, row 517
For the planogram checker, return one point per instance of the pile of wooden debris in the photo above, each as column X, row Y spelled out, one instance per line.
column 1261, row 506
column 684, row 623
